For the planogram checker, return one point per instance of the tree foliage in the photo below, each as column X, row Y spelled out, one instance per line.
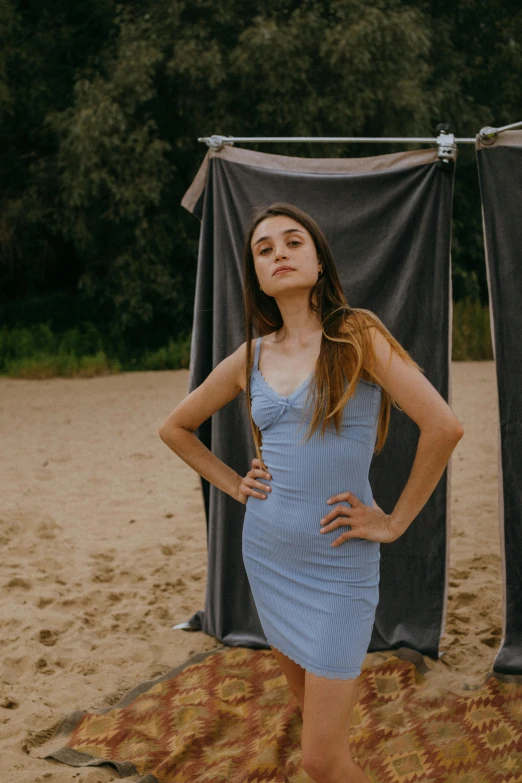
column 102, row 105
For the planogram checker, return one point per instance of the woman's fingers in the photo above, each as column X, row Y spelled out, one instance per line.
column 250, row 487
column 367, row 522
column 250, row 491
column 251, row 484
column 258, row 470
column 345, row 537
column 262, row 486
column 349, row 497
column 331, row 521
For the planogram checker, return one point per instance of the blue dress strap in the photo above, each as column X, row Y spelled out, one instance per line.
column 256, row 352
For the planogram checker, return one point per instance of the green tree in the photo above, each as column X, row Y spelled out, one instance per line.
column 102, row 106
column 45, row 45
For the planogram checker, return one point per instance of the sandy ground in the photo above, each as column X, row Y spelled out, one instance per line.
column 104, row 549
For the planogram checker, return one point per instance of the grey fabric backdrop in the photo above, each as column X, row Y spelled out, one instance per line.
column 387, row 219
column 500, row 176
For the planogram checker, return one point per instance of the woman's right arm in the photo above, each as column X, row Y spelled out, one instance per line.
column 220, row 387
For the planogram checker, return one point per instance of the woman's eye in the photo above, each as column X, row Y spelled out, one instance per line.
column 292, row 242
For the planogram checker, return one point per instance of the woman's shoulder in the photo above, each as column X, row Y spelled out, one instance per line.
column 241, row 356
column 364, row 326
column 359, row 318
column 367, row 326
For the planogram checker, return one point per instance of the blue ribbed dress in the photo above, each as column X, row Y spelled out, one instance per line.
column 316, row 603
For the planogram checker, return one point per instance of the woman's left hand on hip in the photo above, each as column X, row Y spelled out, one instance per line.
column 368, row 522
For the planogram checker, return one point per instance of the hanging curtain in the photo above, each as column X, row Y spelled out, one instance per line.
column 388, row 221
column 500, row 176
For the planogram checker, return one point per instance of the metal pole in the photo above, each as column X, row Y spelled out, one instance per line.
column 212, row 140
column 445, row 141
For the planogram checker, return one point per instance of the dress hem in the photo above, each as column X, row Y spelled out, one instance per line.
column 351, row 675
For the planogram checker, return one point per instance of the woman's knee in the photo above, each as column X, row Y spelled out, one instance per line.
column 324, row 766
column 313, row 763
column 320, row 755
column 326, row 724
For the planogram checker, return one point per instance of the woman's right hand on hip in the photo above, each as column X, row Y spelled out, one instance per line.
column 250, row 484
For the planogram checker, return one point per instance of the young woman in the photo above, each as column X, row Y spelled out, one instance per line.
column 312, row 530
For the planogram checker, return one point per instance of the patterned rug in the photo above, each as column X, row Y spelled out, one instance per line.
column 228, row 716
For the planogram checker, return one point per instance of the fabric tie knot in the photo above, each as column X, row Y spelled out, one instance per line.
column 286, row 402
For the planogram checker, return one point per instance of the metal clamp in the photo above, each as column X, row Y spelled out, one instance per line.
column 488, row 135
column 446, row 146
column 216, row 142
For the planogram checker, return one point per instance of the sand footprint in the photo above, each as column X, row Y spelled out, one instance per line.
column 43, row 602
column 48, row 637
column 116, row 597
column 486, row 561
column 460, row 574
column 179, row 586
column 464, row 599
column 493, row 638
column 106, row 557
column 47, row 530
column 161, row 613
column 84, row 667
column 103, row 574
column 19, row 582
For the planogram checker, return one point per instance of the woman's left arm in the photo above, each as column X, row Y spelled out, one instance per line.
column 440, row 431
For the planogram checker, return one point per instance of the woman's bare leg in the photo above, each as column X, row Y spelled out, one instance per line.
column 294, row 674
column 328, row 708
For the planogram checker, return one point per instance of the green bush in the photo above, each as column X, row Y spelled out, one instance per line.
column 27, row 343
column 174, row 356
column 42, row 365
column 85, row 351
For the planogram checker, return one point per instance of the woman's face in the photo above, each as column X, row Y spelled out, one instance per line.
column 281, row 241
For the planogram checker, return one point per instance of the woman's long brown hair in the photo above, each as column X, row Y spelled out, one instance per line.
column 346, row 348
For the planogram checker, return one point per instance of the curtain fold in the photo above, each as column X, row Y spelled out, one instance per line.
column 500, row 177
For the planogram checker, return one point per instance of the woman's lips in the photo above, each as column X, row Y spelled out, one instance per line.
column 283, row 269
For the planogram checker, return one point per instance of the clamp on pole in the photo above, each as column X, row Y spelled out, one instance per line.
column 216, row 142
column 488, row 135
column 446, row 145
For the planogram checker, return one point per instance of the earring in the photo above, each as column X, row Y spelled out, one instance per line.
column 261, row 288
